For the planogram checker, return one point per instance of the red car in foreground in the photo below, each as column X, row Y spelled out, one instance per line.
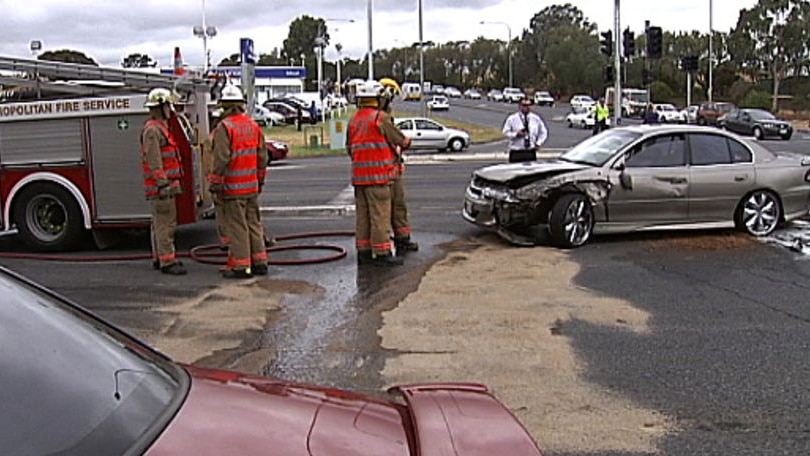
column 73, row 384
column 276, row 150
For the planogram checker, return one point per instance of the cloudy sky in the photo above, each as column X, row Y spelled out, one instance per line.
column 109, row 30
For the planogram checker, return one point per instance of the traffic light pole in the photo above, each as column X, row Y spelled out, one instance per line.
column 617, row 64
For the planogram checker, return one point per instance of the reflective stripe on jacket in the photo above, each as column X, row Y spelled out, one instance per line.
column 373, row 160
column 244, row 171
column 170, row 155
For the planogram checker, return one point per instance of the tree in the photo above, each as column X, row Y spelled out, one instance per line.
column 138, row 61
column 302, row 38
column 66, row 55
column 771, row 39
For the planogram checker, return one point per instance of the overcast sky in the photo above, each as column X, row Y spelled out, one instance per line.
column 109, row 30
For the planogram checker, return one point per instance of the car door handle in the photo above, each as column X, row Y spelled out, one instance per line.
column 740, row 178
column 671, row 180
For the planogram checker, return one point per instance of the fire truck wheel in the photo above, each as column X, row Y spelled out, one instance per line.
column 48, row 218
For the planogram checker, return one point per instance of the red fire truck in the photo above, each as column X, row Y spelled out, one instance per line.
column 70, row 153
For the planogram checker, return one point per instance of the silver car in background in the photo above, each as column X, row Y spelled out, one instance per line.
column 642, row 178
column 428, row 134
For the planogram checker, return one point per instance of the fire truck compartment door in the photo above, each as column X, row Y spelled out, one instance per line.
column 41, row 142
column 117, row 173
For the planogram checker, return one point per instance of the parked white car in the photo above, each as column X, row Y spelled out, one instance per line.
column 266, row 117
column 452, row 92
column 438, row 103
column 512, row 94
column 583, row 118
column 429, row 134
column 582, row 101
column 472, row 94
column 668, row 113
column 495, row 95
column 543, row 98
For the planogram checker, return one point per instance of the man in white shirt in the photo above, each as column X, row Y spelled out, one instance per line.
column 526, row 132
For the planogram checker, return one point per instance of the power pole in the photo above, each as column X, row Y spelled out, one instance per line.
column 617, row 64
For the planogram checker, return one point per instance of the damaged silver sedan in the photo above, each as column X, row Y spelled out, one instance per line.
column 641, row 178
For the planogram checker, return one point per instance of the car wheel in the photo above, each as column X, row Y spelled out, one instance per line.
column 456, row 144
column 571, row 221
column 701, row 121
column 570, row 124
column 48, row 218
column 758, row 133
column 759, row 213
column 583, row 124
column 786, row 136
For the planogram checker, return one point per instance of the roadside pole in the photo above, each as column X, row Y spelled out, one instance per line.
column 617, row 64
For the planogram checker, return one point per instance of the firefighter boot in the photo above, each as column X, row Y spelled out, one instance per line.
column 406, row 245
column 364, row 257
column 173, row 269
column 387, row 260
column 236, row 274
column 259, row 269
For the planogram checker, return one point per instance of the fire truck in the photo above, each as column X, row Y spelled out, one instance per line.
column 70, row 151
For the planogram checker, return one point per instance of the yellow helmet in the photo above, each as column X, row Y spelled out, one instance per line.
column 391, row 86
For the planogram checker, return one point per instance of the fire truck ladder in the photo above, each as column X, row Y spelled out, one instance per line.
column 106, row 80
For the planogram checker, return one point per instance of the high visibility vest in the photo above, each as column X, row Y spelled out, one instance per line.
column 244, row 171
column 373, row 160
column 602, row 112
column 170, row 154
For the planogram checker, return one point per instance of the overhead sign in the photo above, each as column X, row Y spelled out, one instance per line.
column 248, row 55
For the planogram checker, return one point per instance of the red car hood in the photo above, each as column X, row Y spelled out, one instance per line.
column 231, row 413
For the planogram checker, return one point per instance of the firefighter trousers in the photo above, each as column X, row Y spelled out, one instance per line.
column 399, row 210
column 164, row 225
column 373, row 218
column 243, row 227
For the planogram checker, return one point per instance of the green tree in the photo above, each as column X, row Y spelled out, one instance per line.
column 138, row 61
column 66, row 55
column 771, row 39
column 302, row 38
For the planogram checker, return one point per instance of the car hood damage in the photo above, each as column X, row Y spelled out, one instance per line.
column 518, row 174
column 232, row 413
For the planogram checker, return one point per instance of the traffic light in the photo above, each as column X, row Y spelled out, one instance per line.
column 654, row 42
column 629, row 43
column 606, row 43
column 608, row 74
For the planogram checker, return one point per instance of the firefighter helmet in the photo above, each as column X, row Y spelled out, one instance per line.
column 369, row 89
column 391, row 87
column 158, row 97
column 232, row 93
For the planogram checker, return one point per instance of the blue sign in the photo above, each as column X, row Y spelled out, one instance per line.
column 261, row 72
column 248, row 55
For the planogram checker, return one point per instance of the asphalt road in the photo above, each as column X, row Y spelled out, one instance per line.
column 727, row 354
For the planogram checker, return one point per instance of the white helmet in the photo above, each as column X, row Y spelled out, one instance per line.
column 159, row 96
column 369, row 89
column 232, row 93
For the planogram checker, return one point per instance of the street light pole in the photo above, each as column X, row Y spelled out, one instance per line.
column 421, row 63
column 370, row 7
column 205, row 32
column 711, row 53
column 508, row 47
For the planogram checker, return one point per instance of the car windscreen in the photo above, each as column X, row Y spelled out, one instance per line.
column 72, row 385
column 758, row 114
column 596, row 150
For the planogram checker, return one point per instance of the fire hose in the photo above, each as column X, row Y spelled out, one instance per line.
column 214, row 253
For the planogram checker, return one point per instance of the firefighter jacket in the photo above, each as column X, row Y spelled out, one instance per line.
column 239, row 170
column 373, row 159
column 160, row 159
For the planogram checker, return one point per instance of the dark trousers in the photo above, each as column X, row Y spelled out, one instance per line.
column 522, row 155
column 599, row 126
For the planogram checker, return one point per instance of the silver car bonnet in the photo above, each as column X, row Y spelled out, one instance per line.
column 507, row 172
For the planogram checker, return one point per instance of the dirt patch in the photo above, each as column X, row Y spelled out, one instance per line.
column 497, row 321
column 222, row 327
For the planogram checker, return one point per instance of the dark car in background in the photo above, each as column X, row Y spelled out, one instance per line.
column 708, row 113
column 758, row 123
column 288, row 110
column 73, row 384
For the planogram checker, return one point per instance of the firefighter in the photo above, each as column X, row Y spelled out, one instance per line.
column 371, row 140
column 160, row 160
column 240, row 159
column 207, row 148
column 399, row 209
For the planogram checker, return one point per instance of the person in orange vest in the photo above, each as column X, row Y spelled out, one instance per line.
column 371, row 139
column 160, row 163
column 240, row 160
column 399, row 208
